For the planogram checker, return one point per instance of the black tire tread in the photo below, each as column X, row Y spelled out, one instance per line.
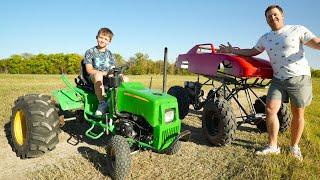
column 174, row 149
column 284, row 115
column 221, row 111
column 42, row 125
column 122, row 163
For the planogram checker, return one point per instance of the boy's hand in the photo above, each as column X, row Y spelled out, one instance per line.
column 124, row 78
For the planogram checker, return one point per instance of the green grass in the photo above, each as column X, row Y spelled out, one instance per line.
column 240, row 164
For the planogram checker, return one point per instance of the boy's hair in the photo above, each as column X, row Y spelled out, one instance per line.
column 106, row 32
column 271, row 7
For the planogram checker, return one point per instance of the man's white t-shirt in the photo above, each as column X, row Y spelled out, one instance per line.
column 285, row 50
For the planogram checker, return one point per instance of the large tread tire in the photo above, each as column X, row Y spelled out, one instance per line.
column 218, row 122
column 183, row 99
column 34, row 126
column 284, row 115
column 217, row 94
column 119, row 160
column 174, row 149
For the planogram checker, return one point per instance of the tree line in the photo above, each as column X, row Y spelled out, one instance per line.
column 70, row 64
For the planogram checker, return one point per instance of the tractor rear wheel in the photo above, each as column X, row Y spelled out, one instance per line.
column 119, row 161
column 34, row 126
column 284, row 115
column 218, row 122
column 183, row 99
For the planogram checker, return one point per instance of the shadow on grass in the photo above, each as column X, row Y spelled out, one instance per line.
column 241, row 127
column 197, row 136
column 243, row 143
column 76, row 130
column 98, row 159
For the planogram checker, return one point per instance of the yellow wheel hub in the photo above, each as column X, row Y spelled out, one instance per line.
column 19, row 127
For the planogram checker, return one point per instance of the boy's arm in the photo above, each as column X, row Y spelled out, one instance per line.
column 90, row 70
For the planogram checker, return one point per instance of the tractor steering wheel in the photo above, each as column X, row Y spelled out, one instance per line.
column 118, row 70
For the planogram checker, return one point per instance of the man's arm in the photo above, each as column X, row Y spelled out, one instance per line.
column 238, row 51
column 314, row 43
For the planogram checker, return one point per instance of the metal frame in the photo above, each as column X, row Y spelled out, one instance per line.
column 239, row 84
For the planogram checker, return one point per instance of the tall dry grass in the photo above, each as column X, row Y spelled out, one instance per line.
column 197, row 159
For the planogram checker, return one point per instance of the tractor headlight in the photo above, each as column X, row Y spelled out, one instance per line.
column 169, row 115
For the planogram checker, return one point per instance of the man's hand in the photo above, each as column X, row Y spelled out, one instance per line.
column 225, row 49
column 237, row 51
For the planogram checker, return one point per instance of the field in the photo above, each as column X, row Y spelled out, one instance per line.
column 77, row 157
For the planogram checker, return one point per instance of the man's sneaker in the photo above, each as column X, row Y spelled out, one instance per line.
column 268, row 150
column 102, row 108
column 295, row 152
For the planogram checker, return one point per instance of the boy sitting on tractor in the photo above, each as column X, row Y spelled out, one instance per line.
column 98, row 62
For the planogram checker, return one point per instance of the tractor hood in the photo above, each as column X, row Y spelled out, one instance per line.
column 133, row 97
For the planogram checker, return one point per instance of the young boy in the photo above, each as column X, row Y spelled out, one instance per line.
column 98, row 62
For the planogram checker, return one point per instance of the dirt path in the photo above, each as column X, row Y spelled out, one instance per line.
column 197, row 159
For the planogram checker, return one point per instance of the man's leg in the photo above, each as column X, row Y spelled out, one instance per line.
column 297, row 124
column 272, row 108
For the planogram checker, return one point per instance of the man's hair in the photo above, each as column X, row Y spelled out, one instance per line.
column 106, row 32
column 271, row 7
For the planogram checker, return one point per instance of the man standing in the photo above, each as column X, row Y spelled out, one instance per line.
column 291, row 75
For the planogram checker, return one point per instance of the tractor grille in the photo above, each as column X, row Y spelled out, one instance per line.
column 169, row 133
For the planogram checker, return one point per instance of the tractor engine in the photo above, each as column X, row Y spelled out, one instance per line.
column 125, row 128
column 135, row 127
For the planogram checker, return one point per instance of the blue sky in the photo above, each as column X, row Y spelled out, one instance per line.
column 146, row 26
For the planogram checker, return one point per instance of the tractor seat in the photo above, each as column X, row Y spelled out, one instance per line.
column 83, row 80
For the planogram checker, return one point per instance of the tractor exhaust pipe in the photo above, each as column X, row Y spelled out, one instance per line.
column 164, row 85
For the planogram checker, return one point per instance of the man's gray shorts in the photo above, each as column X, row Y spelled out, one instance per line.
column 298, row 89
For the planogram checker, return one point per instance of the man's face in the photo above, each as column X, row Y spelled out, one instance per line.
column 103, row 41
column 275, row 19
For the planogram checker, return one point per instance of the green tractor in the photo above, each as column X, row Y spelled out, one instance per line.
column 138, row 118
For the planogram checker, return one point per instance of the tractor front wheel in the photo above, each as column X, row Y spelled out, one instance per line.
column 218, row 122
column 34, row 126
column 174, row 148
column 119, row 161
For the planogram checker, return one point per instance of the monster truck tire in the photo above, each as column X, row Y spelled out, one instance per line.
column 218, row 94
column 183, row 99
column 284, row 115
column 34, row 126
column 119, row 160
column 218, row 122
column 174, row 149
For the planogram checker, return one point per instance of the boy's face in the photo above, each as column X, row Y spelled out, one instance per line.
column 103, row 41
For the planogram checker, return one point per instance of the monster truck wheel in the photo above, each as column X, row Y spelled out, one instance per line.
column 217, row 94
column 34, row 126
column 174, row 149
column 284, row 115
column 119, row 161
column 183, row 99
column 218, row 122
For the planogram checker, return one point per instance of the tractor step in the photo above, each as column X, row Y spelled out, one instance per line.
column 95, row 135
